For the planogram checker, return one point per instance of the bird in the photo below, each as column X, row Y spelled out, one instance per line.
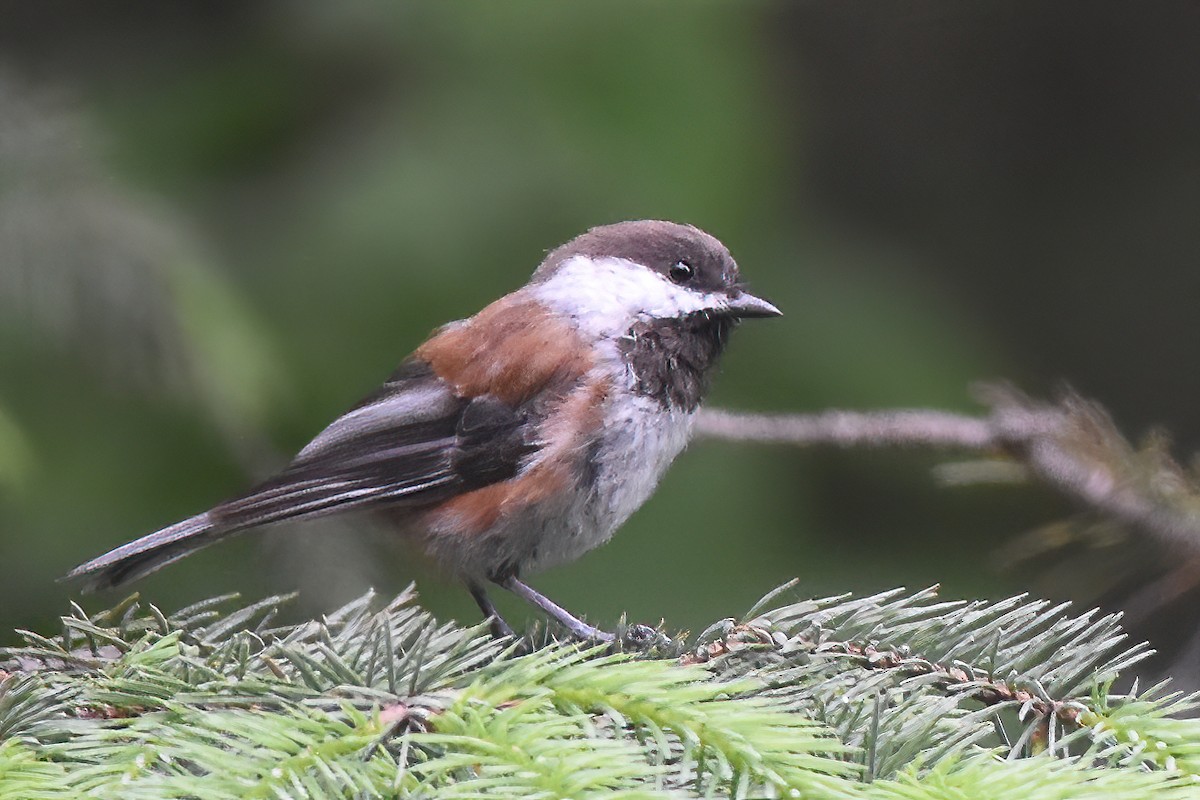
column 522, row 437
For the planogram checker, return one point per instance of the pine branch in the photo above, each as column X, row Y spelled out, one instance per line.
column 1155, row 730
column 895, row 695
column 983, row 776
column 942, row 659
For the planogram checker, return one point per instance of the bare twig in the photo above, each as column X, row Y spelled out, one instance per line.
column 1071, row 445
column 851, row 428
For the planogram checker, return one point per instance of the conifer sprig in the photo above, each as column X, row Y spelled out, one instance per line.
column 891, row 696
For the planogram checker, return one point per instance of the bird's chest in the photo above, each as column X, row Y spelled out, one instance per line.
column 637, row 442
column 639, row 435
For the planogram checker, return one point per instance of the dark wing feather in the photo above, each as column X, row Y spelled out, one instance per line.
column 412, row 443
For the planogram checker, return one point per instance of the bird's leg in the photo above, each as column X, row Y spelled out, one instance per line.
column 578, row 628
column 500, row 628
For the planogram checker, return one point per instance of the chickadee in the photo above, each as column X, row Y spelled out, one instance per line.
column 522, row 437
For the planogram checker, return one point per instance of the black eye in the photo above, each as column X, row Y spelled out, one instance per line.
column 680, row 272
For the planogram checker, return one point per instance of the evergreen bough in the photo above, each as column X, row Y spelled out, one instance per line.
column 897, row 695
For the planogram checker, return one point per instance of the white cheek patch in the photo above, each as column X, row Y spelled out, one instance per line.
column 605, row 296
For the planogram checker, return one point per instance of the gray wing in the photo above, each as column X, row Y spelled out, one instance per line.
column 412, row 443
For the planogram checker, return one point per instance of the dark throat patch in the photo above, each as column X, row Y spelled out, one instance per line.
column 673, row 359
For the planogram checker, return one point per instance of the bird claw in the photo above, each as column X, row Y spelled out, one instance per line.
column 638, row 634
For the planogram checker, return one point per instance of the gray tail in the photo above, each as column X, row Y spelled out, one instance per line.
column 148, row 554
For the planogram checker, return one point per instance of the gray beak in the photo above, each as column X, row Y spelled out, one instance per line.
column 743, row 306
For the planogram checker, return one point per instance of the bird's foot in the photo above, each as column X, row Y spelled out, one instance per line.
column 632, row 637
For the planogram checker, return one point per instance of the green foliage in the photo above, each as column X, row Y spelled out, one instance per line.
column 1031, row 779
column 891, row 696
column 1155, row 730
column 662, row 721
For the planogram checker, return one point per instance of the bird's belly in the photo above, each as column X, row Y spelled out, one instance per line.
column 639, row 440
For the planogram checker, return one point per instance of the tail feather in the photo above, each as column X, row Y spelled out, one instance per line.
column 148, row 554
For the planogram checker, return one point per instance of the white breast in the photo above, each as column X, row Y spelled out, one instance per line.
column 638, row 441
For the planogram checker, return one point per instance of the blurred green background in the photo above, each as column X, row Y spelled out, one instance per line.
column 222, row 223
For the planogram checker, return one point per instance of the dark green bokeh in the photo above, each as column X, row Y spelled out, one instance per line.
column 288, row 198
